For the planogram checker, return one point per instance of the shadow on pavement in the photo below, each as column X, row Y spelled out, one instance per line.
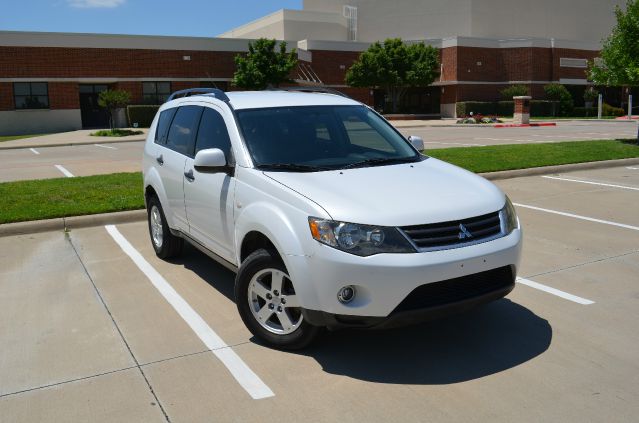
column 482, row 342
column 479, row 343
column 220, row 278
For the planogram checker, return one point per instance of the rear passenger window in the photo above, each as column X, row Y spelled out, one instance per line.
column 163, row 125
column 182, row 132
column 213, row 133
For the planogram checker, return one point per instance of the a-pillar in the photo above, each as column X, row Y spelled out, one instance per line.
column 522, row 110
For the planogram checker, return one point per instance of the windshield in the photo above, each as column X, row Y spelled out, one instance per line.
column 309, row 139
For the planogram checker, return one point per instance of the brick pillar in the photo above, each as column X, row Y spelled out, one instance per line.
column 522, row 110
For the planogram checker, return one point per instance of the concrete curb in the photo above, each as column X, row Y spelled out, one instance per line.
column 77, row 222
column 547, row 170
column 98, row 140
column 69, row 223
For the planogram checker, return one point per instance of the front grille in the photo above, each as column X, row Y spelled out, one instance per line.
column 446, row 234
column 458, row 289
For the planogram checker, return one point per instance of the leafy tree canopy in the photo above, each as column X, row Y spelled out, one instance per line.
column 395, row 66
column 263, row 65
column 112, row 100
column 619, row 64
column 514, row 91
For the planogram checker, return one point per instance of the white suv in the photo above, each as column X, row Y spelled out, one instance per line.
column 327, row 214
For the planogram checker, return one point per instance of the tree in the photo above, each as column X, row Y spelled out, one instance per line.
column 395, row 66
column 263, row 65
column 619, row 58
column 514, row 91
column 112, row 100
column 559, row 94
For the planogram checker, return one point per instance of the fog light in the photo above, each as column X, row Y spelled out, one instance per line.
column 346, row 294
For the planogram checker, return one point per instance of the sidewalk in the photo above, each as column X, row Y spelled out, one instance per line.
column 80, row 137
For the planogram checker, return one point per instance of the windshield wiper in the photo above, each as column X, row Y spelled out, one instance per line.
column 380, row 161
column 292, row 167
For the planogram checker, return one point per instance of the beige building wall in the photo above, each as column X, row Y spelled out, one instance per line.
column 294, row 25
column 579, row 20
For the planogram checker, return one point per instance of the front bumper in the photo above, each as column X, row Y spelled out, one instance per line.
column 419, row 306
column 384, row 281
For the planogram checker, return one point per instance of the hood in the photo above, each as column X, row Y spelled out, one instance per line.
column 398, row 195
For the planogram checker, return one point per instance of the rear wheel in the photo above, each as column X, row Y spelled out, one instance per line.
column 266, row 300
column 165, row 244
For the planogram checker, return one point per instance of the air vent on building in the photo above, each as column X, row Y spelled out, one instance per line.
column 350, row 13
column 573, row 63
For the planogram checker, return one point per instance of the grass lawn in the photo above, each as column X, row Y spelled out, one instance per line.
column 49, row 198
column 523, row 156
column 18, row 137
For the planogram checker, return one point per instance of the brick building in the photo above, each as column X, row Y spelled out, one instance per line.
column 50, row 81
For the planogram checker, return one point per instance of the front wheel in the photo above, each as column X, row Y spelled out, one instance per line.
column 266, row 300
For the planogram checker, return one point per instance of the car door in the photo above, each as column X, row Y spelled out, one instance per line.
column 209, row 196
column 172, row 157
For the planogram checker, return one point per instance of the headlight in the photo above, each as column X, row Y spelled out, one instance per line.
column 509, row 217
column 361, row 240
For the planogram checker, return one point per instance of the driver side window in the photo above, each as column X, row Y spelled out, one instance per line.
column 213, row 133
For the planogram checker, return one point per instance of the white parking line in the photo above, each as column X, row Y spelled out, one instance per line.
column 590, row 183
column 34, row 151
column 632, row 168
column 64, row 171
column 576, row 216
column 105, row 146
column 240, row 371
column 554, row 291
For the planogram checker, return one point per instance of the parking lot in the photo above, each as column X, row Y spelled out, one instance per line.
column 473, row 136
column 93, row 159
column 93, row 327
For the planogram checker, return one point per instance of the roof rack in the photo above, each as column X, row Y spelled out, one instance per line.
column 312, row 89
column 215, row 92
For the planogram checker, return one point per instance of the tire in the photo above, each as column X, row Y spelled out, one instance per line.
column 268, row 312
column 165, row 244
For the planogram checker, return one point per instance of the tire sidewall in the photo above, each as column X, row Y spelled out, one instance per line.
column 257, row 261
column 164, row 249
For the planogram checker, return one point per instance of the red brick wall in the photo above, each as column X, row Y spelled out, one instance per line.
column 572, row 73
column 64, row 95
column 6, row 96
column 54, row 62
column 327, row 65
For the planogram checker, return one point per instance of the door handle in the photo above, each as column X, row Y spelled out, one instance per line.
column 160, row 160
column 189, row 175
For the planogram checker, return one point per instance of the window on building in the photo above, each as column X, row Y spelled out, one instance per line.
column 31, row 95
column 155, row 92
column 566, row 62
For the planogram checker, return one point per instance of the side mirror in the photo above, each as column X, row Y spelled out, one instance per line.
column 210, row 160
column 416, row 142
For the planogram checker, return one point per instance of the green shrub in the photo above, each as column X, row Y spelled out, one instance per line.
column 560, row 94
column 609, row 110
column 505, row 108
column 141, row 114
column 514, row 91
column 543, row 107
column 464, row 108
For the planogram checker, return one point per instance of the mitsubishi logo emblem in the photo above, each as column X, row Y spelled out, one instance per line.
column 464, row 233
